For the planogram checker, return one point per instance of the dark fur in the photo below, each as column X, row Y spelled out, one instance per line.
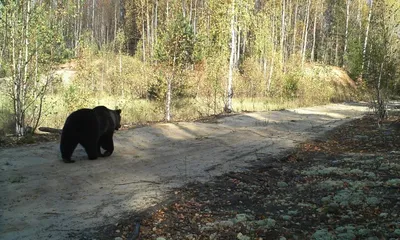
column 93, row 129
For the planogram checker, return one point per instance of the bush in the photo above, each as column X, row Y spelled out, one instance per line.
column 291, row 86
column 75, row 98
column 158, row 89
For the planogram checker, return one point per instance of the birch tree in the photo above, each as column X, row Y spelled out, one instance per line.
column 229, row 90
column 303, row 57
column 27, row 59
column 283, row 31
column 346, row 35
column 364, row 51
column 175, row 50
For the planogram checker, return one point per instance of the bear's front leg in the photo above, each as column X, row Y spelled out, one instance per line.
column 107, row 143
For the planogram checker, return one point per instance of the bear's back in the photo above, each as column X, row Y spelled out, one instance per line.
column 81, row 120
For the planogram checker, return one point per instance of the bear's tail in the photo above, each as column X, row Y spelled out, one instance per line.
column 50, row 130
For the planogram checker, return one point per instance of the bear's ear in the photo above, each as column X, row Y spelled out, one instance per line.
column 118, row 111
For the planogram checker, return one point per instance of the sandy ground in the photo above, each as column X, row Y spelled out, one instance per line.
column 43, row 198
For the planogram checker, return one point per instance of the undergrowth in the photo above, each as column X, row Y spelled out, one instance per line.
column 119, row 81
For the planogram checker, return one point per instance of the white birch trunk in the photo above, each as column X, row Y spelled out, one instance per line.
column 238, row 47
column 283, row 28
column 120, row 71
column 169, row 90
column 314, row 37
column 337, row 49
column 149, row 47
column 155, row 22
column 143, row 35
column 359, row 20
column 93, row 26
column 184, row 8
column 295, row 26
column 195, row 18
column 228, row 105
column 271, row 70
column 346, row 34
column 364, row 53
column 115, row 21
column 306, row 34
column 15, row 76
column 168, row 100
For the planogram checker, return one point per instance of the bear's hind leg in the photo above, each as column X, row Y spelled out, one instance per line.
column 67, row 148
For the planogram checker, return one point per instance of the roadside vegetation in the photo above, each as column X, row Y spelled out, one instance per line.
column 164, row 61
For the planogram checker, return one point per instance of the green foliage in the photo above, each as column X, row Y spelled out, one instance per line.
column 120, row 40
column 7, row 122
column 157, row 90
column 176, row 45
column 191, row 50
column 30, row 48
column 291, row 86
column 74, row 98
column 212, row 89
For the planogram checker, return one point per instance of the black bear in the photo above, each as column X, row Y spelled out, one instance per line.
column 93, row 129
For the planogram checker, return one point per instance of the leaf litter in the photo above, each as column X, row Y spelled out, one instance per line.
column 344, row 185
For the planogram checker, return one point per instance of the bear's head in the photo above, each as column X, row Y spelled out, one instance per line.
column 117, row 114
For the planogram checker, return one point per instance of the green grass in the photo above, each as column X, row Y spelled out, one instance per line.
column 6, row 116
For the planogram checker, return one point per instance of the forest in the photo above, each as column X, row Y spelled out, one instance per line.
column 162, row 60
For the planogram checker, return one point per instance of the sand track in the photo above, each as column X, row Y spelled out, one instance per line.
column 44, row 198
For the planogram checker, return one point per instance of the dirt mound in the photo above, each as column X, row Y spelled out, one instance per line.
column 330, row 73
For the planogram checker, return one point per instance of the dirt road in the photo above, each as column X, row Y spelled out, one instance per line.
column 43, row 198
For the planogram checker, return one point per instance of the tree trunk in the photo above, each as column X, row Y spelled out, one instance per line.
column 228, row 104
column 115, row 21
column 120, row 71
column 364, row 53
column 381, row 106
column 295, row 26
column 93, row 25
column 15, row 68
column 78, row 26
column 337, row 49
column 5, row 39
column 143, row 35
column 20, row 68
column 289, row 26
column 194, row 17
column 314, row 37
column 346, row 34
column 155, row 22
column 168, row 99
column 238, row 48
column 169, row 89
column 306, row 34
column 359, row 18
column 271, row 70
column 149, row 47
column 283, row 28
column 184, row 8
